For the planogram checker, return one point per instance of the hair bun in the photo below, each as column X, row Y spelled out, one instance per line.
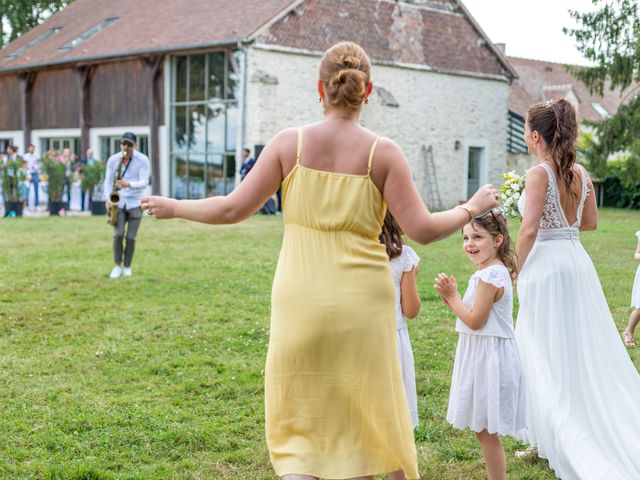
column 350, row 61
column 345, row 71
column 339, row 78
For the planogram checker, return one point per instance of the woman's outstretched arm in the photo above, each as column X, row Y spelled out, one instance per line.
column 258, row 186
column 392, row 172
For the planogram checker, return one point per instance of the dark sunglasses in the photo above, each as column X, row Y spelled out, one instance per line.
column 126, row 144
column 493, row 216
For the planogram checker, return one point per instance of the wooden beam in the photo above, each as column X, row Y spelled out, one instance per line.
column 84, row 74
column 27, row 80
column 154, row 66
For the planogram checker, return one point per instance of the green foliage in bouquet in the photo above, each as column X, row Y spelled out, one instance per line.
column 12, row 175
column 55, row 177
column 510, row 192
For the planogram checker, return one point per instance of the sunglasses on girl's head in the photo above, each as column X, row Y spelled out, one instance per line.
column 493, row 215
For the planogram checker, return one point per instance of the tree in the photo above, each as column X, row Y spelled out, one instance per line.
column 19, row 16
column 610, row 38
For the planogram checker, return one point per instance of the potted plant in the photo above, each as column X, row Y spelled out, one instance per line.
column 92, row 178
column 55, row 171
column 12, row 176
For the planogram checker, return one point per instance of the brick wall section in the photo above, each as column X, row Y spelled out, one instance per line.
column 391, row 32
column 434, row 109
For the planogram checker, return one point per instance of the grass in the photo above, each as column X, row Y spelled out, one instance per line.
column 160, row 376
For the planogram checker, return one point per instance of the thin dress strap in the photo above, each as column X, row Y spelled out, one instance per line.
column 299, row 148
column 373, row 149
column 583, row 197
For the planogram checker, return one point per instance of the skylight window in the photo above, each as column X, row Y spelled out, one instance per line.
column 600, row 109
column 41, row 38
column 88, row 34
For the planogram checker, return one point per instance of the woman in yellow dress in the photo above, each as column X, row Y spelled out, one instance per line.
column 334, row 400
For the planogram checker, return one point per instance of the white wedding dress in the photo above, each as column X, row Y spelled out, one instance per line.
column 582, row 390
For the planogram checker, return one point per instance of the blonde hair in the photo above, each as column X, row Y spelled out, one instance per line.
column 345, row 71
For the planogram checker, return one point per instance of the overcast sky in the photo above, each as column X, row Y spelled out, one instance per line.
column 531, row 28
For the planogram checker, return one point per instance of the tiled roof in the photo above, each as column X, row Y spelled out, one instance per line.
column 538, row 81
column 436, row 34
column 142, row 26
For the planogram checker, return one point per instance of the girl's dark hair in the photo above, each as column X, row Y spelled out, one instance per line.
column 496, row 224
column 556, row 122
column 391, row 236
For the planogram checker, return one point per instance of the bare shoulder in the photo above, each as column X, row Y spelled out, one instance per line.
column 537, row 176
column 581, row 170
column 389, row 146
column 388, row 151
column 285, row 137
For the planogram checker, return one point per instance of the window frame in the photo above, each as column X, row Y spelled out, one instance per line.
column 186, row 154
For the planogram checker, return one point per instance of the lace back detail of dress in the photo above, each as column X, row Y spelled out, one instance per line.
column 553, row 217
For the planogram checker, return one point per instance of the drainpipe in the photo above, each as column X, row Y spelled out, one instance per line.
column 243, row 111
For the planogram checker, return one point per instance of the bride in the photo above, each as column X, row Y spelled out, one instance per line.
column 582, row 388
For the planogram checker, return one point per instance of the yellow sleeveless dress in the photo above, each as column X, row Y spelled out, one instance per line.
column 334, row 398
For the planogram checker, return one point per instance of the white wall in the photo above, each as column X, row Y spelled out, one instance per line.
column 434, row 109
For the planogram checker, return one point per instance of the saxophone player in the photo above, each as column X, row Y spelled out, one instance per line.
column 131, row 182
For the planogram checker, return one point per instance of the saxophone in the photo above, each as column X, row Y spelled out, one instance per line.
column 114, row 199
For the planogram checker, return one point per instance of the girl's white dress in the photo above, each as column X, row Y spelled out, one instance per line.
column 487, row 383
column 635, row 293
column 405, row 263
column 582, row 389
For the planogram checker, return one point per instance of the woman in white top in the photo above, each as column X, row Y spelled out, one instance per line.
column 487, row 385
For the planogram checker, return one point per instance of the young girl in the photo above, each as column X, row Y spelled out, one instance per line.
column 404, row 268
column 634, row 318
column 487, row 386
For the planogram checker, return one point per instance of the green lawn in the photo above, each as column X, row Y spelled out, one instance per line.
column 160, row 376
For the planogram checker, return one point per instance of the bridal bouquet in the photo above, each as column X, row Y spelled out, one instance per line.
column 510, row 192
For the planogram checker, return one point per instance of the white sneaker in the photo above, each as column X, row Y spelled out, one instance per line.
column 117, row 271
column 126, row 272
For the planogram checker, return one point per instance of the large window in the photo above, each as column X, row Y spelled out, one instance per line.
column 204, row 118
column 4, row 143
column 60, row 143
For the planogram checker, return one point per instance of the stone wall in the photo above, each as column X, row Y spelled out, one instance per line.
column 413, row 106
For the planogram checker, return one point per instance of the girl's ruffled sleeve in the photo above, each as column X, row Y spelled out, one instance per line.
column 492, row 276
column 411, row 258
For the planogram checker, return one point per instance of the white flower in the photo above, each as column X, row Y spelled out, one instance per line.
column 503, row 196
column 515, row 187
column 516, row 195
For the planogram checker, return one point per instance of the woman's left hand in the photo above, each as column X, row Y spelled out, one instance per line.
column 160, row 207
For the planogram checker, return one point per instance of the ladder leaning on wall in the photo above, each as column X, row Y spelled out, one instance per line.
column 434, row 201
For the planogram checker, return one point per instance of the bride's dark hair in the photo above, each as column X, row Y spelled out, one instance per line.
column 556, row 122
